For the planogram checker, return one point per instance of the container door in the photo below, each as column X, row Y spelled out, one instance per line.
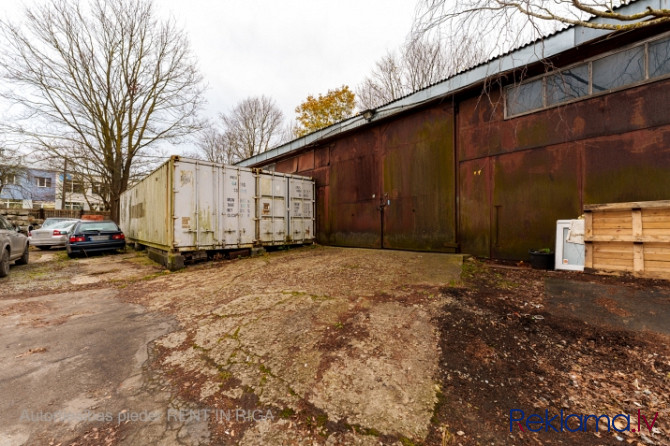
column 195, row 205
column 247, row 222
column 301, row 210
column 185, row 197
column 238, row 221
column 231, row 207
column 272, row 210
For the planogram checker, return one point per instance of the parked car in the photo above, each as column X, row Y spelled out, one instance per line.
column 53, row 233
column 94, row 236
column 13, row 246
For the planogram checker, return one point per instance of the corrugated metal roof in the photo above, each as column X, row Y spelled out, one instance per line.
column 534, row 51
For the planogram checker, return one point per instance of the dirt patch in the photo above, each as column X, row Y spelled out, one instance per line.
column 504, row 349
column 611, row 306
column 53, row 271
column 19, row 308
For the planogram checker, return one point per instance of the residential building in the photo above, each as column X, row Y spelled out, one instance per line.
column 44, row 189
column 34, row 189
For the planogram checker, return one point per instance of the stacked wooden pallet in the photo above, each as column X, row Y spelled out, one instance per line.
column 629, row 237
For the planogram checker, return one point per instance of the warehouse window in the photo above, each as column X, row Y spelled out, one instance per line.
column 659, row 58
column 568, row 84
column 624, row 68
column 618, row 70
column 525, row 97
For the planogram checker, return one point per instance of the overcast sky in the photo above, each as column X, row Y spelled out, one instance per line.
column 283, row 49
column 288, row 49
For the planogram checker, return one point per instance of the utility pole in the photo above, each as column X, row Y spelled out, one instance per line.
column 62, row 197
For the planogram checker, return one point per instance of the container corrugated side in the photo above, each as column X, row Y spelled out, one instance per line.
column 145, row 209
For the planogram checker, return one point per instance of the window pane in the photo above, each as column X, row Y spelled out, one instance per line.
column 659, row 58
column 524, row 97
column 617, row 70
column 568, row 84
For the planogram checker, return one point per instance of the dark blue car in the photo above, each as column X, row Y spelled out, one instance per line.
column 95, row 236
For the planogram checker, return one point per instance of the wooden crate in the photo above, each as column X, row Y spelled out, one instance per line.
column 628, row 237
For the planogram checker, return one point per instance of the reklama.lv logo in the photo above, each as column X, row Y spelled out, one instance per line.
column 577, row 422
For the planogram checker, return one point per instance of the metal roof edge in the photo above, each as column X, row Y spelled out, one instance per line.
column 528, row 54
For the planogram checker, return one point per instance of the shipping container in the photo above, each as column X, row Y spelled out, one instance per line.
column 188, row 208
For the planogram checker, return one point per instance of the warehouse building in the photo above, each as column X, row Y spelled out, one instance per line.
column 486, row 161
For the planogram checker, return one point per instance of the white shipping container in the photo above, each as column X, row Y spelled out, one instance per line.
column 188, row 205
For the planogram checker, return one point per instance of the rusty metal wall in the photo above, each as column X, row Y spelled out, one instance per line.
column 515, row 177
column 545, row 166
column 403, row 166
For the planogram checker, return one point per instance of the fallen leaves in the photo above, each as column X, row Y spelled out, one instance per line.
column 32, row 351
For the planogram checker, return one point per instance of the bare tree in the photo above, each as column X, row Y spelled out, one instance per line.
column 212, row 146
column 288, row 132
column 101, row 83
column 421, row 62
column 253, row 126
column 384, row 84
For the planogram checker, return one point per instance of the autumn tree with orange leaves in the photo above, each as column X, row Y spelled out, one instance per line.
column 317, row 113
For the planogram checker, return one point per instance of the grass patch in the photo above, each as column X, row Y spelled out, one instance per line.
column 287, row 412
column 317, row 298
column 143, row 259
column 471, row 269
column 406, row 441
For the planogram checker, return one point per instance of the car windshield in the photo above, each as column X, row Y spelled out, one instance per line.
column 55, row 222
column 98, row 226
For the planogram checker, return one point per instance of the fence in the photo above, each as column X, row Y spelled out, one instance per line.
column 25, row 217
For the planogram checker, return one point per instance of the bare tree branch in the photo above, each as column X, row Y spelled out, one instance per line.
column 510, row 23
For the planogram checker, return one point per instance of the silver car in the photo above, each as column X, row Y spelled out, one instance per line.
column 54, row 232
column 13, row 246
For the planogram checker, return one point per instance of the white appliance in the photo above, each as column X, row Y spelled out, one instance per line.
column 570, row 245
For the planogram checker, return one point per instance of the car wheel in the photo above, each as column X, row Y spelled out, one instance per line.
column 4, row 263
column 72, row 255
column 44, row 248
column 24, row 258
